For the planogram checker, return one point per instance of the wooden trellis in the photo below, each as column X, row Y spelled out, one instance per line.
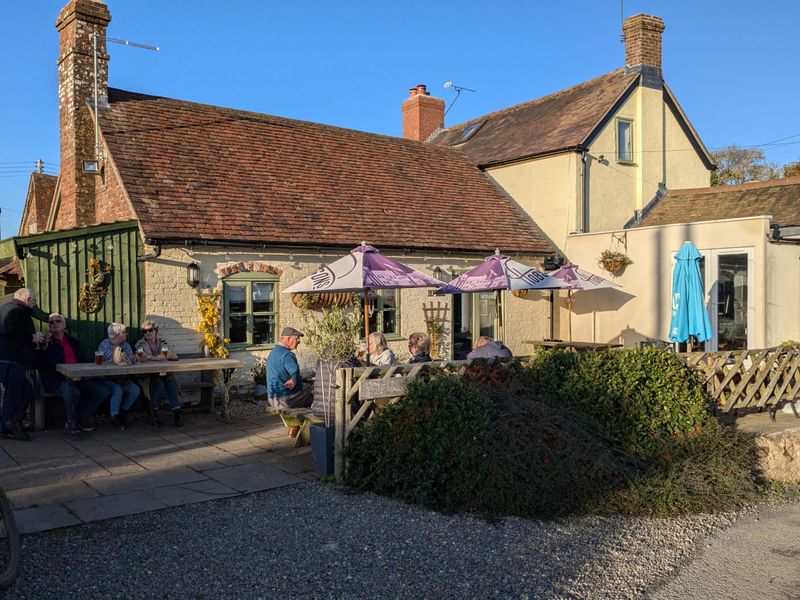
column 750, row 378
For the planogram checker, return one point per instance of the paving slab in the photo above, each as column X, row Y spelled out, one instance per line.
column 189, row 493
column 43, row 518
column 296, row 464
column 118, row 484
column 253, row 477
column 107, row 507
column 6, row 462
column 36, row 477
column 56, row 493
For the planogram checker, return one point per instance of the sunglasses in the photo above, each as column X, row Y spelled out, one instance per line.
column 54, row 322
column 147, row 330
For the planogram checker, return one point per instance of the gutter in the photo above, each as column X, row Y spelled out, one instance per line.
column 784, row 235
column 316, row 249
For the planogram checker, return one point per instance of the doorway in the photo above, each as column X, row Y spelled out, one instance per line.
column 474, row 315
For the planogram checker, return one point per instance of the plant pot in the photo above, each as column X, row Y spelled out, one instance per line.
column 260, row 392
column 322, row 448
column 612, row 266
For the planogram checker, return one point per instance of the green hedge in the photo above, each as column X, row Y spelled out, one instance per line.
column 625, row 431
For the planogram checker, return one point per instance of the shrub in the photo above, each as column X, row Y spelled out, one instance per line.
column 592, row 433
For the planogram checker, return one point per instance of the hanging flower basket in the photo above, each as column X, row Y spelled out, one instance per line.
column 324, row 300
column 519, row 293
column 613, row 261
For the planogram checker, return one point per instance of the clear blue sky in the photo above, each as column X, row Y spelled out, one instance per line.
column 732, row 63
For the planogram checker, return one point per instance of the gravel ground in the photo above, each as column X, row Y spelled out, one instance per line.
column 318, row 541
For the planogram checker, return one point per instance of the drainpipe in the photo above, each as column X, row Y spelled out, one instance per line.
column 584, row 195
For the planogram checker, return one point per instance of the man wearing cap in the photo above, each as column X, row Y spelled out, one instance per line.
column 284, row 384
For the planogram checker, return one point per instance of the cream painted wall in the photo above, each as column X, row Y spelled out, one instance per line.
column 662, row 155
column 548, row 190
column 641, row 307
column 173, row 304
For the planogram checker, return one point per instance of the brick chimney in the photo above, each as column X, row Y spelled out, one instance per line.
column 76, row 23
column 643, row 41
column 422, row 114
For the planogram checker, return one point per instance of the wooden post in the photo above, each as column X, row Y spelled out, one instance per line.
column 338, row 444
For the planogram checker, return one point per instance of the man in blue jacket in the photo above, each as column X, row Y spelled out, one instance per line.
column 284, row 384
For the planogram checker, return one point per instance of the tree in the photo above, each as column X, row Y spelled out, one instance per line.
column 737, row 165
column 791, row 169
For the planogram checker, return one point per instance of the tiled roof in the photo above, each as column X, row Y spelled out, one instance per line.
column 556, row 122
column 194, row 171
column 10, row 266
column 779, row 198
column 37, row 205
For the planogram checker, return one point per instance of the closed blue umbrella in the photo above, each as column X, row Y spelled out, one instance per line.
column 689, row 315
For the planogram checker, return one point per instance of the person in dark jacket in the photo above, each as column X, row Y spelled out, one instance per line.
column 82, row 398
column 18, row 344
column 419, row 345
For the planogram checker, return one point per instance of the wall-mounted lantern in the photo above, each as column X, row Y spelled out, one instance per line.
column 192, row 275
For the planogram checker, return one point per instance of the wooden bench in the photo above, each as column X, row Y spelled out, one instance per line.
column 302, row 418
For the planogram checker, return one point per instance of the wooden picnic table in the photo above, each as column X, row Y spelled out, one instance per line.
column 576, row 346
column 78, row 371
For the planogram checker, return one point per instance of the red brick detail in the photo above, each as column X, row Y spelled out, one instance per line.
column 422, row 114
column 643, row 40
column 76, row 23
column 37, row 203
column 250, row 267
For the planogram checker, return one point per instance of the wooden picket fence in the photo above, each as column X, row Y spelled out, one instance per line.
column 755, row 378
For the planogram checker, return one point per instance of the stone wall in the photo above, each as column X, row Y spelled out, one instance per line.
column 173, row 304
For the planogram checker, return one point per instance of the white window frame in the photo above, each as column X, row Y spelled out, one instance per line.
column 617, row 123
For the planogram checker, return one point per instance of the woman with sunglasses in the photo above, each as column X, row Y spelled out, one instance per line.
column 152, row 347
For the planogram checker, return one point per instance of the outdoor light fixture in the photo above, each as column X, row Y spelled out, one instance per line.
column 437, row 272
column 192, row 275
column 92, row 167
column 110, row 245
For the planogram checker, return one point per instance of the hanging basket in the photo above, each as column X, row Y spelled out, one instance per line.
column 613, row 261
column 324, row 300
column 519, row 293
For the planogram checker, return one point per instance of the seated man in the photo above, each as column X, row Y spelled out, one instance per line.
column 486, row 347
column 284, row 384
column 82, row 398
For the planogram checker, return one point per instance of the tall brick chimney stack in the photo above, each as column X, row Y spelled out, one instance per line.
column 422, row 114
column 76, row 23
column 643, row 42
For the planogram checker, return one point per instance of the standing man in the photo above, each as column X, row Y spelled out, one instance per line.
column 18, row 342
column 284, row 384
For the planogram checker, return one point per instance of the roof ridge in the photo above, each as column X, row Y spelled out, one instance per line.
column 540, row 100
column 749, row 185
column 266, row 118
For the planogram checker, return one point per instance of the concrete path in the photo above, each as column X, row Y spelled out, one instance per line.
column 57, row 480
column 759, row 557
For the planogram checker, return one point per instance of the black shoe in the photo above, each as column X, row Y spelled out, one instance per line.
column 72, row 429
column 123, row 415
column 13, row 431
column 86, row 423
column 176, row 415
column 155, row 418
column 118, row 422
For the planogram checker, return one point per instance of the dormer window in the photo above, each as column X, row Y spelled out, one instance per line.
column 624, row 141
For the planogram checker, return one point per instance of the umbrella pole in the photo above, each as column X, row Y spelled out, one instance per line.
column 569, row 307
column 498, row 301
column 366, row 323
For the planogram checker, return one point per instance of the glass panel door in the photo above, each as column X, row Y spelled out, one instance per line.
column 731, row 301
column 474, row 315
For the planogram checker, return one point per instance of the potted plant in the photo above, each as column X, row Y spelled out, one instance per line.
column 259, row 372
column 435, row 329
column 332, row 336
column 613, row 261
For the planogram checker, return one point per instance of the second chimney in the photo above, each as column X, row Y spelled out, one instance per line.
column 643, row 41
column 422, row 114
